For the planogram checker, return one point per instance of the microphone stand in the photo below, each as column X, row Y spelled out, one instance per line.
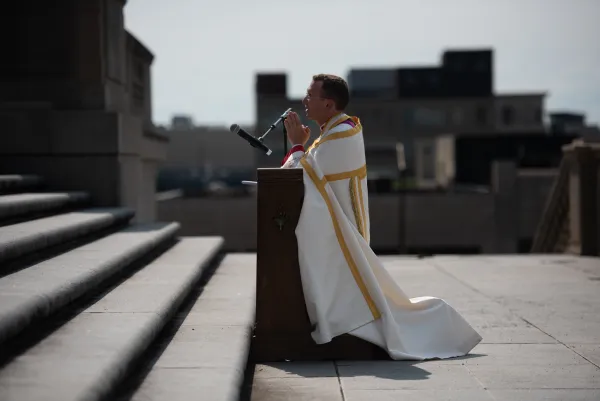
column 285, row 142
column 274, row 125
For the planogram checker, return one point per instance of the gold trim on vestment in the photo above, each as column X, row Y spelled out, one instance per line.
column 337, row 118
column 338, row 135
column 356, row 195
column 365, row 232
column 360, row 172
column 321, row 186
column 353, row 183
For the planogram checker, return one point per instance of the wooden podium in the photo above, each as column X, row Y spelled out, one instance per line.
column 282, row 327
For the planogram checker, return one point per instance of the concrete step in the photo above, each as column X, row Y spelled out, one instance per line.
column 89, row 355
column 26, row 203
column 208, row 354
column 42, row 289
column 31, row 236
column 15, row 182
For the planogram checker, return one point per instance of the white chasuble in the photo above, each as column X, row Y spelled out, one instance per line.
column 346, row 287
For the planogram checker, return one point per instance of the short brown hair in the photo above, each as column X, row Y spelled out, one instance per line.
column 334, row 88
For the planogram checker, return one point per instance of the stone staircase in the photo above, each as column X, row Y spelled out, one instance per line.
column 96, row 307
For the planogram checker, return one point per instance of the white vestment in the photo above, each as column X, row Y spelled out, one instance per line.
column 346, row 287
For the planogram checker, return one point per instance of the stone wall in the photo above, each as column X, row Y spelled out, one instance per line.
column 75, row 103
column 420, row 222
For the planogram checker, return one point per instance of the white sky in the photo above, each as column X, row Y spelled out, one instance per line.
column 207, row 53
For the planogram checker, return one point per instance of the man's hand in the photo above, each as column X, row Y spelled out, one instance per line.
column 297, row 133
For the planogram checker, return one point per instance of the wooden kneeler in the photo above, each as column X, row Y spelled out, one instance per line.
column 282, row 327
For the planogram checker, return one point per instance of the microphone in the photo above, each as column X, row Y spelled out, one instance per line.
column 236, row 129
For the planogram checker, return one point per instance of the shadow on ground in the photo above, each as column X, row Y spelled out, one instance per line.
column 393, row 370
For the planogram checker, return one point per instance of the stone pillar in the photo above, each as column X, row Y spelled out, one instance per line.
column 584, row 198
column 65, row 105
column 282, row 327
column 506, row 204
column 69, row 54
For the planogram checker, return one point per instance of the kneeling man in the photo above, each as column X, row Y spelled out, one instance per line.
column 347, row 290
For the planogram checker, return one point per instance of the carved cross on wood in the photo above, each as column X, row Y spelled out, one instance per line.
column 280, row 220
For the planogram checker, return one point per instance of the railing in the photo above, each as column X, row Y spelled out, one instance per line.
column 552, row 232
column 571, row 220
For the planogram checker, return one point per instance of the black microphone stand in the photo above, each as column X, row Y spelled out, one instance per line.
column 284, row 140
column 274, row 125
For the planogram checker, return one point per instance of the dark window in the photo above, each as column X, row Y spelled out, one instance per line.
column 428, row 163
column 507, row 115
column 481, row 115
column 434, row 79
column 139, row 70
column 538, row 115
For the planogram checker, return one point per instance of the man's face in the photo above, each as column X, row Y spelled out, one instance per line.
column 315, row 105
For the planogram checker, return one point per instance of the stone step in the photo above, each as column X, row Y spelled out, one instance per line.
column 42, row 289
column 31, row 236
column 208, row 354
column 89, row 355
column 25, row 203
column 15, row 182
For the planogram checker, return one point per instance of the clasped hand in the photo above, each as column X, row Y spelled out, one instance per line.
column 297, row 133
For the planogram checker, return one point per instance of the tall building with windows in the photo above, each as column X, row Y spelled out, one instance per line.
column 414, row 105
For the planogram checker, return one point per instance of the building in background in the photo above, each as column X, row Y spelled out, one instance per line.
column 413, row 105
column 482, row 163
column 569, row 123
column 201, row 156
column 466, row 160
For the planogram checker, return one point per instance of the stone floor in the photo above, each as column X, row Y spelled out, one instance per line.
column 539, row 317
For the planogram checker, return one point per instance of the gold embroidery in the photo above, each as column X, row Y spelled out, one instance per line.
column 320, row 184
column 335, row 119
column 338, row 135
column 359, row 172
column 343, row 120
column 352, row 183
column 355, row 177
column 365, row 232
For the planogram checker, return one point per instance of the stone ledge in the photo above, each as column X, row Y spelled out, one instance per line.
column 35, row 235
column 14, row 182
column 42, row 289
column 22, row 204
column 209, row 351
column 77, row 132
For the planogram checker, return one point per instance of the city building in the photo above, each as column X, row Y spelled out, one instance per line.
column 566, row 122
column 198, row 155
column 466, row 160
column 413, row 105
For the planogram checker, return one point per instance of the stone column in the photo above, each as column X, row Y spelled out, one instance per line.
column 584, row 219
column 65, row 106
column 64, row 53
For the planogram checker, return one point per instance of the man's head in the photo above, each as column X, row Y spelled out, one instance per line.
column 326, row 96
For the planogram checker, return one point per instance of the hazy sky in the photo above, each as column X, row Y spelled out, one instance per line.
column 207, row 53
